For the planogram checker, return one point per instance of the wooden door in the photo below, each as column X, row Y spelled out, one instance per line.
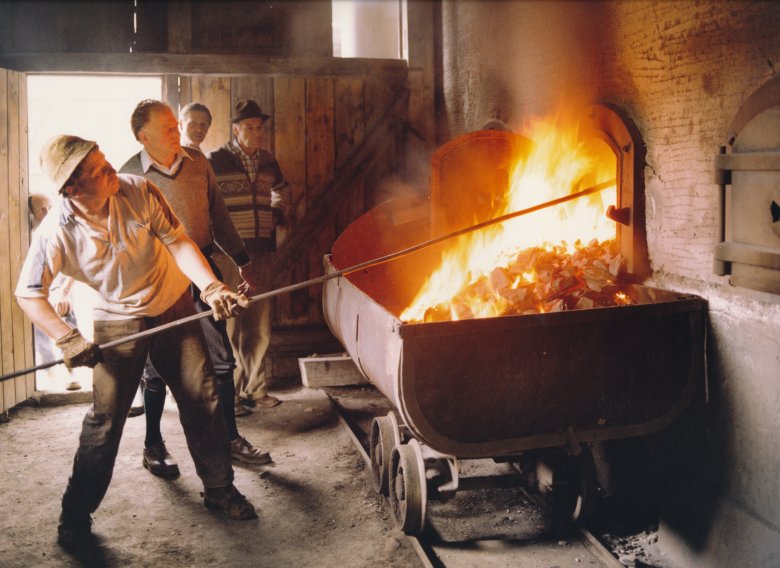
column 16, row 339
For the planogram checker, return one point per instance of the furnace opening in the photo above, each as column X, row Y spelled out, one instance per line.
column 469, row 185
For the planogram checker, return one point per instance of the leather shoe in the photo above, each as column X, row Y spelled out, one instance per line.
column 242, row 450
column 159, row 462
column 267, row 401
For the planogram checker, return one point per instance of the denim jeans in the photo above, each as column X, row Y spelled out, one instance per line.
column 181, row 356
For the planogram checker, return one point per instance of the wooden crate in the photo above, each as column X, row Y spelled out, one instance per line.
column 336, row 370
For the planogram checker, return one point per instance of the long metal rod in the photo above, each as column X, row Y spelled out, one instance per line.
column 306, row 283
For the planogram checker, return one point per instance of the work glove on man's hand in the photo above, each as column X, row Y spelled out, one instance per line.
column 77, row 351
column 222, row 301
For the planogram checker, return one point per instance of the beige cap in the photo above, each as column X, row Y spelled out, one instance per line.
column 61, row 155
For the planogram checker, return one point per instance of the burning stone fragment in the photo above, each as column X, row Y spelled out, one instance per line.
column 542, row 279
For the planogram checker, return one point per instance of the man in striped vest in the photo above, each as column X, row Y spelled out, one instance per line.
column 257, row 197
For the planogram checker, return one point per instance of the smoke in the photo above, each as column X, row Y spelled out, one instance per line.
column 516, row 58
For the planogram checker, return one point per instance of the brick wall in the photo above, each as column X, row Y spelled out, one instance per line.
column 680, row 71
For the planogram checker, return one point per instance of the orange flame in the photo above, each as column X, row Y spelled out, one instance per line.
column 557, row 164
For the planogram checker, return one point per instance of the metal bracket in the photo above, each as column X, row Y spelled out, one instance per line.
column 620, row 215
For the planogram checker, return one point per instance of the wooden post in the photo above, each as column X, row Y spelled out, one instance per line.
column 179, row 26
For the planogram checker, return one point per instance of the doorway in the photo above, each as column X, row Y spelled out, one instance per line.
column 94, row 107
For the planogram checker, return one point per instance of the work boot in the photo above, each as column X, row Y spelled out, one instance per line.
column 74, row 532
column 242, row 450
column 229, row 501
column 159, row 462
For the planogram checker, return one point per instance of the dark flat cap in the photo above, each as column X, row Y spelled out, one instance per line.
column 247, row 109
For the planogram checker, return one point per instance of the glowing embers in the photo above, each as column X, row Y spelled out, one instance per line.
column 514, row 268
column 540, row 280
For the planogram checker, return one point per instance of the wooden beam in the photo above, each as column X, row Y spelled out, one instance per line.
column 129, row 63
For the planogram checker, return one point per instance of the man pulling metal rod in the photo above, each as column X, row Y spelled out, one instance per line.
column 118, row 235
column 320, row 279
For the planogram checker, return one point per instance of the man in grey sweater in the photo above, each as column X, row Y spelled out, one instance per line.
column 188, row 183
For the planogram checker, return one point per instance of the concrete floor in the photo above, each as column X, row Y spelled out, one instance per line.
column 316, row 505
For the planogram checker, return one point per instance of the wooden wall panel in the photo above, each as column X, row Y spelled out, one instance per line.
column 289, row 136
column 170, row 91
column 185, row 86
column 354, row 206
column 15, row 329
column 24, row 233
column 289, row 122
column 229, row 24
column 7, row 394
column 302, row 27
column 379, row 96
column 320, row 154
column 420, row 123
column 350, row 118
column 15, row 223
column 67, row 26
column 317, row 248
column 180, row 26
column 293, row 309
column 235, row 26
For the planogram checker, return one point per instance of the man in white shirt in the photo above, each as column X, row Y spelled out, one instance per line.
column 118, row 235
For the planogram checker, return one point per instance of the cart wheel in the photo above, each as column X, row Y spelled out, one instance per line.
column 383, row 438
column 407, row 487
column 575, row 486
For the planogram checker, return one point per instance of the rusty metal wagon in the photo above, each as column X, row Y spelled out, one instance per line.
column 534, row 389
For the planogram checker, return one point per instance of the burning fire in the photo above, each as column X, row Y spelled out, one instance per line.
column 536, row 262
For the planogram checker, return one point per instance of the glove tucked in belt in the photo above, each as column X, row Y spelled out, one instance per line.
column 222, row 301
column 77, row 351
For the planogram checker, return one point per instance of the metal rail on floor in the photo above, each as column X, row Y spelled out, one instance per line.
column 426, row 554
column 413, row 542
